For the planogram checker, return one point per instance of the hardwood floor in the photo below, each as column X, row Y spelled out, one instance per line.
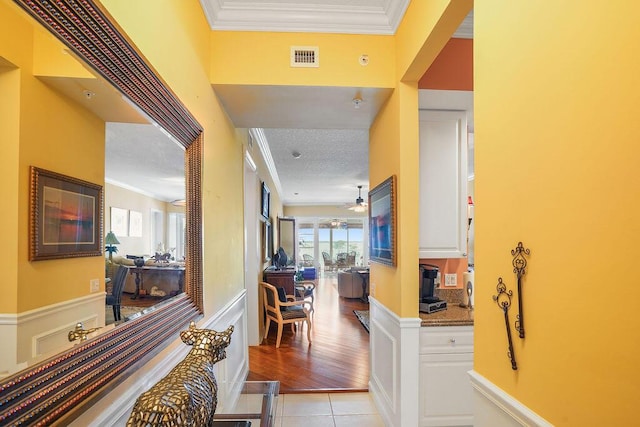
column 336, row 360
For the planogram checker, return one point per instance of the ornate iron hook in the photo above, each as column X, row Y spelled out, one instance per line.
column 519, row 263
column 503, row 299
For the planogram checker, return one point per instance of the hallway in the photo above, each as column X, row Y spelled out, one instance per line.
column 337, row 359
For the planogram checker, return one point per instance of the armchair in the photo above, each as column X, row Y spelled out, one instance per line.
column 328, row 262
column 341, row 260
column 289, row 312
column 307, row 260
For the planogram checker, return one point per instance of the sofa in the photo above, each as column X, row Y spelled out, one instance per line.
column 350, row 283
column 164, row 279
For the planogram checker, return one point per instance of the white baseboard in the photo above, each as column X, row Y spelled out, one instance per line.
column 494, row 407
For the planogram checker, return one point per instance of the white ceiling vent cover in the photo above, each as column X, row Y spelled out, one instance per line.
column 305, row 56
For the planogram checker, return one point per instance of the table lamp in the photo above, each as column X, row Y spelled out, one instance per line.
column 111, row 240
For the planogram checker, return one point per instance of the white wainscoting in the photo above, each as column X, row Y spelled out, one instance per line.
column 494, row 407
column 113, row 409
column 34, row 335
column 394, row 350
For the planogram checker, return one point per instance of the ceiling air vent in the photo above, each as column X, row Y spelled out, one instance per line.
column 305, row 56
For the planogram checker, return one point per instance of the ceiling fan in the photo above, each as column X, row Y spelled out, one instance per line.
column 360, row 205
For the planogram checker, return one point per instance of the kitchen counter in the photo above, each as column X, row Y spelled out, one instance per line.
column 454, row 315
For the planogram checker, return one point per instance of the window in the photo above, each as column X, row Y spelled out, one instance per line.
column 176, row 235
column 343, row 240
column 157, row 230
column 307, row 243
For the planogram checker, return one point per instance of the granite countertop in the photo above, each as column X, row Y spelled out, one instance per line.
column 454, row 315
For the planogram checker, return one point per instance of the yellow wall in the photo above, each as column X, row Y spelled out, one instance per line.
column 181, row 57
column 9, row 136
column 424, row 31
column 393, row 148
column 119, row 197
column 556, row 146
column 263, row 58
column 52, row 133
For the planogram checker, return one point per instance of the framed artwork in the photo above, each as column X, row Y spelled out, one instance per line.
column 266, row 196
column 267, row 240
column 135, row 224
column 382, row 222
column 65, row 216
column 119, row 221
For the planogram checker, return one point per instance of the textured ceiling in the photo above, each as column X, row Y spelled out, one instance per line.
column 331, row 165
column 142, row 158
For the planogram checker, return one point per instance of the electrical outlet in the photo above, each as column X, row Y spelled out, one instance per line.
column 438, row 279
column 94, row 285
column 372, row 289
column 451, row 279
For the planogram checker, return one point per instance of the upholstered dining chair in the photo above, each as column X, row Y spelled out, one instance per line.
column 284, row 312
column 114, row 299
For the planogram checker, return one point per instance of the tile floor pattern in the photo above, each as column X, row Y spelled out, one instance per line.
column 327, row 410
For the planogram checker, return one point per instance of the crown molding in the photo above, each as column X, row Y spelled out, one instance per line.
column 326, row 18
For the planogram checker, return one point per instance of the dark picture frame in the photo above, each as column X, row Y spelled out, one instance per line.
column 266, row 200
column 382, row 222
column 267, row 240
column 65, row 216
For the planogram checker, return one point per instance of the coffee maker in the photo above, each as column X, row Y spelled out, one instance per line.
column 429, row 303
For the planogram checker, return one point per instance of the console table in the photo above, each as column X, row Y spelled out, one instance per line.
column 258, row 400
column 281, row 279
column 139, row 272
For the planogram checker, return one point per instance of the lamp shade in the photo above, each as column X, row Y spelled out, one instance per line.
column 111, row 239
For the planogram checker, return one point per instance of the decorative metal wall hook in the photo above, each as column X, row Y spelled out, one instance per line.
column 79, row 333
column 519, row 263
column 503, row 299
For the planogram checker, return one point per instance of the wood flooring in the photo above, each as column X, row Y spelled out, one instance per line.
column 337, row 359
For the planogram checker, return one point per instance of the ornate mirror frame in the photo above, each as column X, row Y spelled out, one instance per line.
column 50, row 390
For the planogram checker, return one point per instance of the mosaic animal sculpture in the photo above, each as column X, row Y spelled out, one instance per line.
column 188, row 395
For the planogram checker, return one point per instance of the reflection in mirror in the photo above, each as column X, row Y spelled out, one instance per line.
column 287, row 238
column 55, row 116
column 144, row 175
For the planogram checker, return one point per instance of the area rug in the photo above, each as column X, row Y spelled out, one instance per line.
column 363, row 317
column 128, row 310
column 125, row 312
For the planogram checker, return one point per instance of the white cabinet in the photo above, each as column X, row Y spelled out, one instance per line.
column 446, row 396
column 443, row 184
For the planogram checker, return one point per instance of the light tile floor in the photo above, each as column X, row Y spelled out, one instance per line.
column 327, row 410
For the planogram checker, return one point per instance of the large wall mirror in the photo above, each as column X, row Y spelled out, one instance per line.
column 48, row 391
column 287, row 238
